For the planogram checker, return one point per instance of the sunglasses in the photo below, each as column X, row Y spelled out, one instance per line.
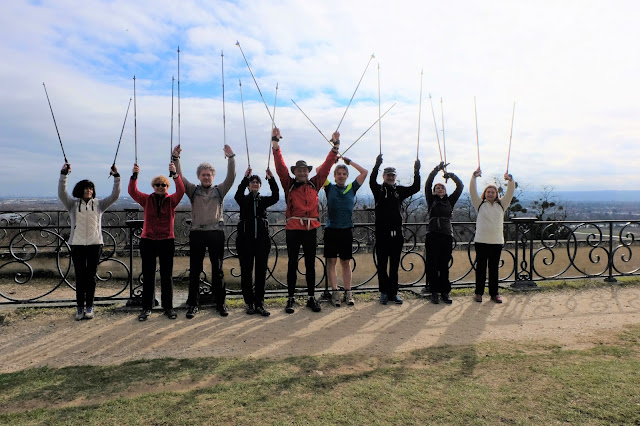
column 164, row 185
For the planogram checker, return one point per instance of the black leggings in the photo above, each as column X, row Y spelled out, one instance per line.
column 250, row 249
column 85, row 261
column 163, row 250
column 438, row 248
column 306, row 239
column 487, row 254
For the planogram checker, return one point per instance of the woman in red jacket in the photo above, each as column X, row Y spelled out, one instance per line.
column 157, row 239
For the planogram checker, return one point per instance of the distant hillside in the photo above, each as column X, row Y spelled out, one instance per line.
column 603, row 196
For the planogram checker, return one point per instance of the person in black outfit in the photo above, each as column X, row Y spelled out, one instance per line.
column 389, row 239
column 252, row 239
column 439, row 241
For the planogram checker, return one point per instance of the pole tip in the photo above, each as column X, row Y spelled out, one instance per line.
column 237, row 43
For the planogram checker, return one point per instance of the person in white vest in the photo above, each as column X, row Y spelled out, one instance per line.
column 85, row 214
column 489, row 237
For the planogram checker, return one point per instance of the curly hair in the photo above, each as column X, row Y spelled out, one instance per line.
column 205, row 166
column 78, row 190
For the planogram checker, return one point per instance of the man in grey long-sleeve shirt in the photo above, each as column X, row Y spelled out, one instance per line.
column 207, row 228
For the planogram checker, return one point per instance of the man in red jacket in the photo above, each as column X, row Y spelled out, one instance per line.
column 301, row 194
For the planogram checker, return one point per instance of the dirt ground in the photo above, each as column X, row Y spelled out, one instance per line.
column 570, row 319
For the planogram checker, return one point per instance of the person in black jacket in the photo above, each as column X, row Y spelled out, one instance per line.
column 252, row 239
column 389, row 239
column 439, row 241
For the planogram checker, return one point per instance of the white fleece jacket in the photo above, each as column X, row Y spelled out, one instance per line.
column 490, row 221
column 86, row 217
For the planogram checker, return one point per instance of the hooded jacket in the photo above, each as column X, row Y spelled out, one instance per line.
column 253, row 209
column 388, row 199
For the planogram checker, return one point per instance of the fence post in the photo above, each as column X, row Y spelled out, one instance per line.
column 523, row 270
column 610, row 278
column 133, row 225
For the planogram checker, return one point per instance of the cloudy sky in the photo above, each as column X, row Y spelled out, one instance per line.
column 571, row 67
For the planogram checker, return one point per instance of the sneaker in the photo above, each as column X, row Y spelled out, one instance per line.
column 250, row 310
column 348, row 298
column 478, row 298
column 497, row 298
column 262, row 311
column 383, row 298
column 79, row 314
column 144, row 315
column 170, row 313
column 222, row 310
column 396, row 299
column 446, row 298
column 434, row 298
column 335, row 298
column 192, row 311
column 313, row 304
column 290, row 305
column 88, row 314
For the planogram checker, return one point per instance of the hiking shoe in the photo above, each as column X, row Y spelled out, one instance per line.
column 290, row 305
column 446, row 298
column 348, row 298
column 250, row 310
column 144, row 314
column 222, row 310
column 383, row 298
column 313, row 304
column 88, row 314
column 191, row 311
column 497, row 298
column 396, row 299
column 262, row 311
column 434, row 298
column 478, row 298
column 79, row 314
column 171, row 313
column 335, row 298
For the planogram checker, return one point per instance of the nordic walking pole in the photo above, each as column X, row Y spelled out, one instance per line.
column 325, row 138
column 354, row 92
column 444, row 145
column 365, row 132
column 224, row 120
column 258, row 87
column 275, row 100
column 135, row 120
column 246, row 141
column 435, row 126
column 171, row 149
column 178, row 95
column 477, row 139
column 379, row 116
column 55, row 124
column 121, row 132
column 419, row 114
column 513, row 113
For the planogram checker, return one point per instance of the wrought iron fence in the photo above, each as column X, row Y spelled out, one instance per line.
column 35, row 261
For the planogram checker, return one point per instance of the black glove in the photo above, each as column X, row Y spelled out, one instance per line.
column 378, row 161
column 416, row 166
column 65, row 170
column 442, row 166
column 448, row 175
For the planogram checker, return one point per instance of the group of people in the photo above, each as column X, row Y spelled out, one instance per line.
column 302, row 221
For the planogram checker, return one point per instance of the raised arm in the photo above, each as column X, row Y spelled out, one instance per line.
column 373, row 184
column 275, row 191
column 66, row 199
column 322, row 172
column 137, row 196
column 225, row 186
column 415, row 186
column 453, row 198
column 175, row 158
column 428, row 185
column 473, row 189
column 281, row 167
column 508, row 196
column 242, row 187
column 363, row 172
column 104, row 203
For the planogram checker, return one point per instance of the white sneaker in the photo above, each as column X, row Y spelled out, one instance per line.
column 89, row 312
column 335, row 298
column 79, row 314
column 348, row 298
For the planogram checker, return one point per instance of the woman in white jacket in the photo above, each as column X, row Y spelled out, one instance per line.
column 489, row 237
column 85, row 213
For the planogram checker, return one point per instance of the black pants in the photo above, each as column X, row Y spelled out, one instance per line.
column 85, row 261
column 199, row 242
column 250, row 250
column 149, row 251
column 487, row 254
column 388, row 250
column 438, row 249
column 306, row 239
